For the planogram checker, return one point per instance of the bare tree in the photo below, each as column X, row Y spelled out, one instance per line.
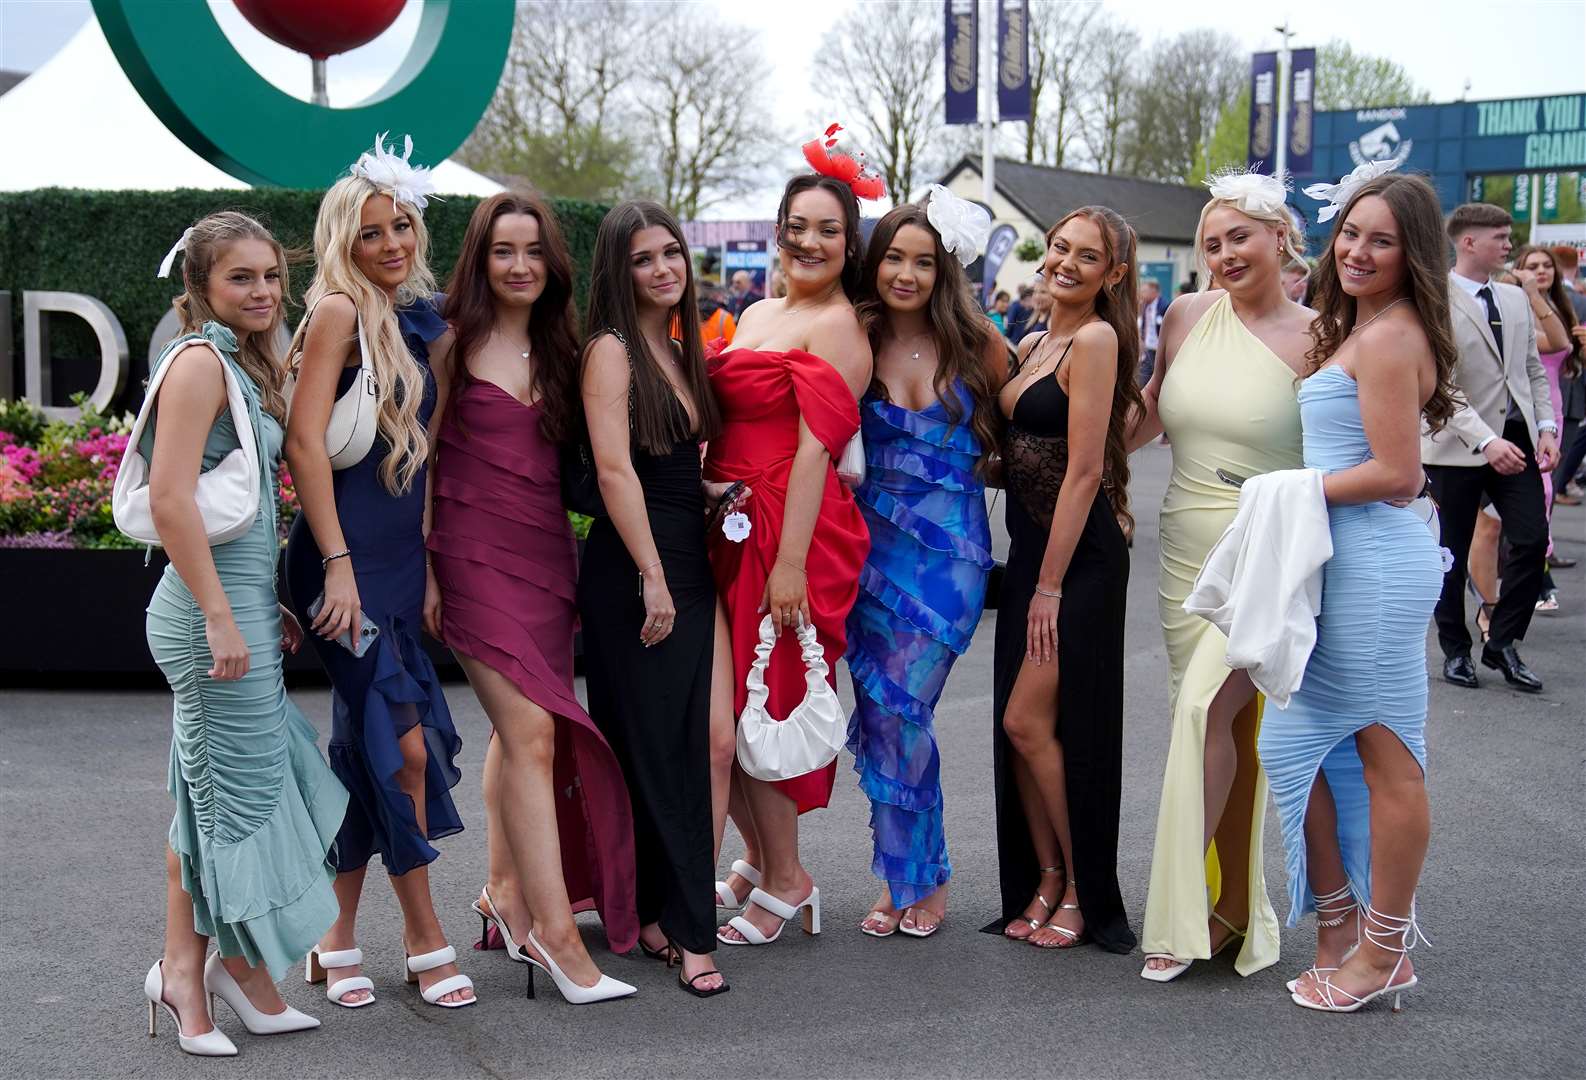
column 708, row 135
column 1059, row 40
column 1190, row 80
column 1110, row 105
column 882, row 68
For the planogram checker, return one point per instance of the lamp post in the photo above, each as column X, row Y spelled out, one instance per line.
column 1284, row 61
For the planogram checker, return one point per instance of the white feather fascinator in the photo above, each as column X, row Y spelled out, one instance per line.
column 963, row 226
column 403, row 181
column 1250, row 191
column 1337, row 196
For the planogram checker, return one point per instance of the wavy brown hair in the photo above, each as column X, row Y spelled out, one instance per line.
column 961, row 331
column 853, row 246
column 208, row 241
column 1558, row 300
column 1414, row 205
column 656, row 425
column 1119, row 307
column 553, row 328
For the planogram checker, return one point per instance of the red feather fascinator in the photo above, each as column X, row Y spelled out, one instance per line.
column 864, row 183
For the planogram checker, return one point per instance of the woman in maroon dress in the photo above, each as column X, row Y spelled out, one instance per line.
column 501, row 595
column 788, row 391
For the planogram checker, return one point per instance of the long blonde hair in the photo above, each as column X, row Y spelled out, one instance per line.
column 399, row 381
column 1293, row 240
column 208, row 240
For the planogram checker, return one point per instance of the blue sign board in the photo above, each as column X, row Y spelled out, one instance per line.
column 1451, row 143
column 961, row 54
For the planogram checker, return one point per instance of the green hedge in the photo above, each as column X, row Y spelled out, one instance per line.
column 108, row 244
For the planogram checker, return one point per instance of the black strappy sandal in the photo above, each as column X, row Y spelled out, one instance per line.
column 674, row 957
column 663, row 953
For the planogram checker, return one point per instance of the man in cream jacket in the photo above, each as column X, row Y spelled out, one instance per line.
column 1498, row 444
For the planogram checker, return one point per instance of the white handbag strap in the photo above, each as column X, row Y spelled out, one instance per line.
column 814, row 656
column 364, row 363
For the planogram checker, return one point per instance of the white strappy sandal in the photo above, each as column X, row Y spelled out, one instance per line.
column 315, row 970
column 413, row 966
column 725, row 897
column 1381, row 930
column 1168, row 974
column 1331, row 911
column 810, row 905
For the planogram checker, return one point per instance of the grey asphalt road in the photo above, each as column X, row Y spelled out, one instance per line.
column 83, row 813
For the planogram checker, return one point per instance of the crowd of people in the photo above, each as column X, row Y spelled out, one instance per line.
column 814, row 490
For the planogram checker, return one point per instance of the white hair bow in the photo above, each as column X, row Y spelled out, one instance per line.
column 1337, row 196
column 1250, row 190
column 404, row 182
column 170, row 256
column 963, row 226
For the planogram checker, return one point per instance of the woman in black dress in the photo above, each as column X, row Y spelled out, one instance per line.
column 1059, row 649
column 645, row 592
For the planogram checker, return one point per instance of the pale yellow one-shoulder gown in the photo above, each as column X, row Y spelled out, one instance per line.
column 1227, row 402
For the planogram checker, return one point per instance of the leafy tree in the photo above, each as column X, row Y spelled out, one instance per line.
column 1346, row 79
column 1178, row 102
column 1229, row 144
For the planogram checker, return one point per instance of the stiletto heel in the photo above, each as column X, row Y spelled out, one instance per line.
column 220, row 983
column 607, row 989
column 531, row 966
column 212, row 1043
column 514, row 950
column 1381, row 930
column 484, row 929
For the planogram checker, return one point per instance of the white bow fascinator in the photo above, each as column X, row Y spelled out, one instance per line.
column 1337, row 196
column 396, row 176
column 963, row 226
column 1250, row 191
column 176, row 249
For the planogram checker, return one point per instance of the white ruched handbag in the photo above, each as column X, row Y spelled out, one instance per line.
column 813, row 733
column 227, row 495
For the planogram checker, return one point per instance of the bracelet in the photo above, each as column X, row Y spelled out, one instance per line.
column 647, row 569
column 324, row 564
column 1548, row 314
column 794, row 565
column 1058, row 595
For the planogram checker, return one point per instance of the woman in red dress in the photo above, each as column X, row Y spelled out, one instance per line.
column 788, row 390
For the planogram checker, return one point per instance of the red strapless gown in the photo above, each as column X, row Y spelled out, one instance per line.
column 762, row 396
column 507, row 565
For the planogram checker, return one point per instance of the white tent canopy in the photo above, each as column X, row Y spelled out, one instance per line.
column 78, row 122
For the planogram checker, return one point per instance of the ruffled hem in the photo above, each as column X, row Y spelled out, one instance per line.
column 268, row 896
column 928, row 534
column 368, row 767
column 940, row 434
column 880, row 588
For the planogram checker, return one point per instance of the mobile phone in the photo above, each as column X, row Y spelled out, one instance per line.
column 366, row 632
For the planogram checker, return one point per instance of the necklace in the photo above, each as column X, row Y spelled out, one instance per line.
column 915, row 355
column 1378, row 315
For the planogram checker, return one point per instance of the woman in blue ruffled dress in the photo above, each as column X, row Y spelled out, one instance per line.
column 929, row 421
column 359, row 544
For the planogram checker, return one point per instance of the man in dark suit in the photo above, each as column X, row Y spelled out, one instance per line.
column 1505, row 410
column 742, row 294
column 1153, row 305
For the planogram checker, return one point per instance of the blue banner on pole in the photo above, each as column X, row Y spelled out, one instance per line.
column 1013, row 60
column 997, row 248
column 1263, row 110
column 1302, row 87
column 961, row 49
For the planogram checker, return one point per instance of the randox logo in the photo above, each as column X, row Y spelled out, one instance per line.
column 1381, row 144
column 191, row 76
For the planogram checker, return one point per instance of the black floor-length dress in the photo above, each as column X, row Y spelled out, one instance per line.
column 653, row 704
column 1090, row 626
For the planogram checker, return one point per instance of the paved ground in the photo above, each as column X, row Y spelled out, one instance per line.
column 83, row 813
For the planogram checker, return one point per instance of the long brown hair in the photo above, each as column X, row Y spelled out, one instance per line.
column 1119, row 307
column 1558, row 299
column 853, row 246
column 208, row 240
column 1414, row 205
column 656, row 424
column 961, row 331
column 553, row 333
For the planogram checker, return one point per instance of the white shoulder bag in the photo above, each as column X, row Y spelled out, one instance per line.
column 813, row 733
column 227, row 495
column 353, row 421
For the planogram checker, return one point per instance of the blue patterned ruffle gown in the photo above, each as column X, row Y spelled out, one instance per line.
column 920, row 596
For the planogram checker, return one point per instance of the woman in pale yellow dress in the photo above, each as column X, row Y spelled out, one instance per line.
column 1224, row 391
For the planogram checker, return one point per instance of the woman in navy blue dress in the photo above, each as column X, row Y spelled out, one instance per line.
column 359, row 543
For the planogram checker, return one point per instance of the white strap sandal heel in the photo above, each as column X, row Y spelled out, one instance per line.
column 413, row 966
column 810, row 905
column 1394, row 933
column 725, row 897
column 315, row 971
column 1331, row 911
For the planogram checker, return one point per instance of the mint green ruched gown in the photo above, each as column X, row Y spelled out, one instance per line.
column 257, row 808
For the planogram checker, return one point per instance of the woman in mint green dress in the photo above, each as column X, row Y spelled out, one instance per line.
column 257, row 808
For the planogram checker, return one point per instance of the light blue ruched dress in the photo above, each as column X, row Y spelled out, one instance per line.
column 1369, row 664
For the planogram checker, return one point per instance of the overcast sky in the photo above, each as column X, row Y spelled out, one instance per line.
column 1525, row 48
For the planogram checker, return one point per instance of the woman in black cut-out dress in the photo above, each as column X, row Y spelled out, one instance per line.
column 1089, row 720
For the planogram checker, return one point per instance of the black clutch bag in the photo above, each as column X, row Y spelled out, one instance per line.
column 580, row 482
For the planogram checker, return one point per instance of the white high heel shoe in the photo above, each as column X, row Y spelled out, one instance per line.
column 1382, row 931
column 493, row 916
column 412, row 966
column 1331, row 911
column 725, row 897
column 219, row 982
column 607, row 989
column 212, row 1043
column 314, row 971
column 810, row 906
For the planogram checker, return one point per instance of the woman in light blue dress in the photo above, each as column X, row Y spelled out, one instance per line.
column 257, row 809
column 928, row 422
column 1347, row 759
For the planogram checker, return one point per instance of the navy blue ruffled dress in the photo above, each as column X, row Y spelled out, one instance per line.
column 921, row 593
column 378, row 698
